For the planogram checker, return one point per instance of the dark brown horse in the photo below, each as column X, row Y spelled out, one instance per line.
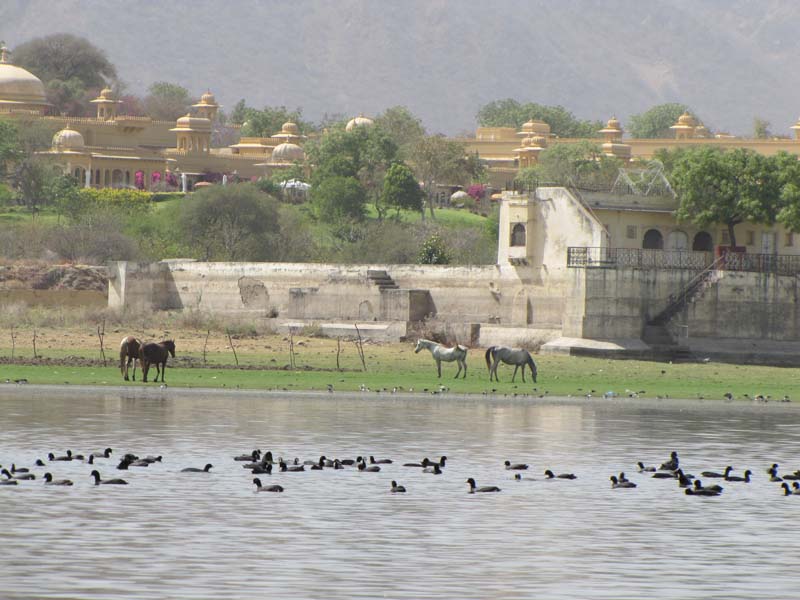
column 156, row 353
column 128, row 353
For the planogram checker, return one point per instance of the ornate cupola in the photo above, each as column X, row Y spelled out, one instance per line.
column 106, row 105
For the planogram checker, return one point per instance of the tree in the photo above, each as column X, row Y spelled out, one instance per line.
column 233, row 222
column 402, row 127
column 10, row 150
column 338, row 199
column 267, row 121
column 726, row 187
column 656, row 122
column 364, row 153
column 401, row 190
column 511, row 113
column 68, row 66
column 438, row 160
column 761, row 129
column 434, row 251
column 582, row 165
column 527, row 179
column 167, row 101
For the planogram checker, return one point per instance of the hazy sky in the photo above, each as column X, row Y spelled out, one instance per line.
column 729, row 60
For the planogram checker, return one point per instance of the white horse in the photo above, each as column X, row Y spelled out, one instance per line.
column 519, row 357
column 441, row 353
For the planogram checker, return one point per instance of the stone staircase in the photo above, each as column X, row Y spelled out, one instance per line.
column 657, row 333
column 382, row 279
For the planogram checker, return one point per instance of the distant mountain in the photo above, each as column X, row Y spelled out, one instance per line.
column 730, row 60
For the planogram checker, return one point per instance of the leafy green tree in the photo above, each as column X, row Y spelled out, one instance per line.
column 656, row 122
column 337, row 198
column 233, row 222
column 528, row 179
column 268, row 121
column 401, row 190
column 63, row 56
column 582, row 165
column 788, row 169
column 364, row 154
column 726, row 187
column 434, row 251
column 402, row 127
column 10, row 149
column 761, row 129
column 437, row 160
column 511, row 113
column 167, row 101
column 68, row 66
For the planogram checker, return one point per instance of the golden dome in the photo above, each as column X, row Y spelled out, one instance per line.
column 68, row 139
column 291, row 128
column 190, row 123
column 287, row 153
column 359, row 121
column 208, row 98
column 613, row 123
column 528, row 141
column 534, row 126
column 106, row 94
column 539, row 140
column 686, row 120
column 17, row 85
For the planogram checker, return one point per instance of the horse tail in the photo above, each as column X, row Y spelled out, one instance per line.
column 123, row 355
column 489, row 356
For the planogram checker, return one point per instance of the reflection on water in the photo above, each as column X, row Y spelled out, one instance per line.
column 341, row 534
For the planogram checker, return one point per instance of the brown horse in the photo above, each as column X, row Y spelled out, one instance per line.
column 156, row 353
column 128, row 353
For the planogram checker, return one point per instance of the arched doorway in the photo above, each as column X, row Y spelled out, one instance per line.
column 518, row 235
column 116, row 178
column 703, row 242
column 653, row 240
column 677, row 240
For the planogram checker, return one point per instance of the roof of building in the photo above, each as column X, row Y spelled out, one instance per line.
column 629, row 202
column 18, row 85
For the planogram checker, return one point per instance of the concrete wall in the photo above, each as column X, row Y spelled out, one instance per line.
column 507, row 295
column 616, row 303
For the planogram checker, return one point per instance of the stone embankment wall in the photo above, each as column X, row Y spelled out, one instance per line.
column 509, row 296
column 616, row 303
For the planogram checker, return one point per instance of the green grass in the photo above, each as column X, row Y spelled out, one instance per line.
column 446, row 217
column 16, row 215
column 558, row 376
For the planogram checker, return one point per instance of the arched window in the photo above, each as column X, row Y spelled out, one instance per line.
column 518, row 235
column 653, row 240
column 703, row 242
column 677, row 240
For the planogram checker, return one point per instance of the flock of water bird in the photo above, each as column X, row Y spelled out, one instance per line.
column 263, row 463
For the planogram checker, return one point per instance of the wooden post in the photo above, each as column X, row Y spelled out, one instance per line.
column 101, row 333
column 13, row 342
column 230, row 341
column 205, row 345
column 360, row 346
column 338, row 351
column 34, row 343
column 291, row 348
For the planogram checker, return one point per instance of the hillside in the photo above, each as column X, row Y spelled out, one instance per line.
column 730, row 60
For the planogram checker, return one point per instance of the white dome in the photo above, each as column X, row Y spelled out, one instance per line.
column 19, row 85
column 288, row 152
column 359, row 121
column 68, row 139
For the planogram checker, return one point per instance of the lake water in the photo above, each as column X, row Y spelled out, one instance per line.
column 341, row 534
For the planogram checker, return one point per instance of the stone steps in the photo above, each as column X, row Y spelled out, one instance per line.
column 382, row 279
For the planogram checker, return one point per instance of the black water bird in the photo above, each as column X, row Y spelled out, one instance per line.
column 15, row 469
column 515, row 466
column 435, row 469
column 206, row 469
column 20, row 477
column 362, row 466
column 380, row 461
column 616, row 484
column 48, row 480
column 267, row 488
column 746, row 477
column 397, row 488
column 262, row 469
column 672, row 464
column 645, row 469
column 698, row 485
column 549, row 474
column 104, row 454
column 98, row 481
column 787, row 491
column 53, row 457
column 728, row 469
column 290, row 468
column 254, row 456
column 473, row 489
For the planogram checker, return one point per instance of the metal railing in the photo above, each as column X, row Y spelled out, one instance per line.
column 636, row 258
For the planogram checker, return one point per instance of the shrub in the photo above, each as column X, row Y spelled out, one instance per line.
column 434, row 251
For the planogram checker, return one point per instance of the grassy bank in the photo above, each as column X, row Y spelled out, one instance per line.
column 388, row 366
